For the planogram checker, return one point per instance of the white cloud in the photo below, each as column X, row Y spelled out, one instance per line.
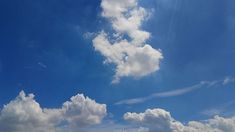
column 225, row 109
column 159, row 120
column 179, row 91
column 132, row 57
column 130, row 60
column 165, row 94
column 24, row 114
column 82, row 111
column 228, row 80
column 217, row 124
column 156, row 120
column 88, row 35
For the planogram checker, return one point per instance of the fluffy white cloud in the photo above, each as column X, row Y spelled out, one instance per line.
column 24, row 114
column 81, row 111
column 126, row 17
column 156, row 120
column 130, row 60
column 159, row 120
column 217, row 124
column 132, row 57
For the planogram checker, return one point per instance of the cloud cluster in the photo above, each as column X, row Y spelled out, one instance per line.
column 24, row 114
column 159, row 120
column 126, row 48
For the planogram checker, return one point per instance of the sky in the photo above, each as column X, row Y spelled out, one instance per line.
column 117, row 66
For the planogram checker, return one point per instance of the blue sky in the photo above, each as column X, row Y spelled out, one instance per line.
column 46, row 48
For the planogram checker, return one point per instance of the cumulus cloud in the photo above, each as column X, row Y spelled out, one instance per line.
column 132, row 57
column 24, row 114
column 156, row 120
column 82, row 111
column 159, row 120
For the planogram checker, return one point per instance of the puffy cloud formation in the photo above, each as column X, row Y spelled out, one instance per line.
column 132, row 57
column 24, row 114
column 159, row 120
column 156, row 120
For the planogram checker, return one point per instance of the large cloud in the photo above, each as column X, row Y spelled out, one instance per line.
column 159, row 120
column 24, row 114
column 132, row 57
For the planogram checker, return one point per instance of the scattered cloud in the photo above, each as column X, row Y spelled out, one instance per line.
column 155, row 120
column 41, row 64
column 228, row 80
column 159, row 120
column 212, row 111
column 177, row 92
column 88, row 35
column 172, row 93
column 24, row 114
column 226, row 109
column 131, row 55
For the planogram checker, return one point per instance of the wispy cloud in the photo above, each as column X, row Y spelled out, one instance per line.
column 38, row 66
column 226, row 109
column 228, row 80
column 41, row 64
column 177, row 92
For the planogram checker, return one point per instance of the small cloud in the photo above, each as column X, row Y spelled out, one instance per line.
column 42, row 65
column 226, row 109
column 228, row 80
column 88, row 35
column 212, row 112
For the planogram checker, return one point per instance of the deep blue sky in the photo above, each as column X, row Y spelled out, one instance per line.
column 43, row 51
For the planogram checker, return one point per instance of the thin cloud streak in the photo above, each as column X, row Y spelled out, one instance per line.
column 226, row 109
column 177, row 92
